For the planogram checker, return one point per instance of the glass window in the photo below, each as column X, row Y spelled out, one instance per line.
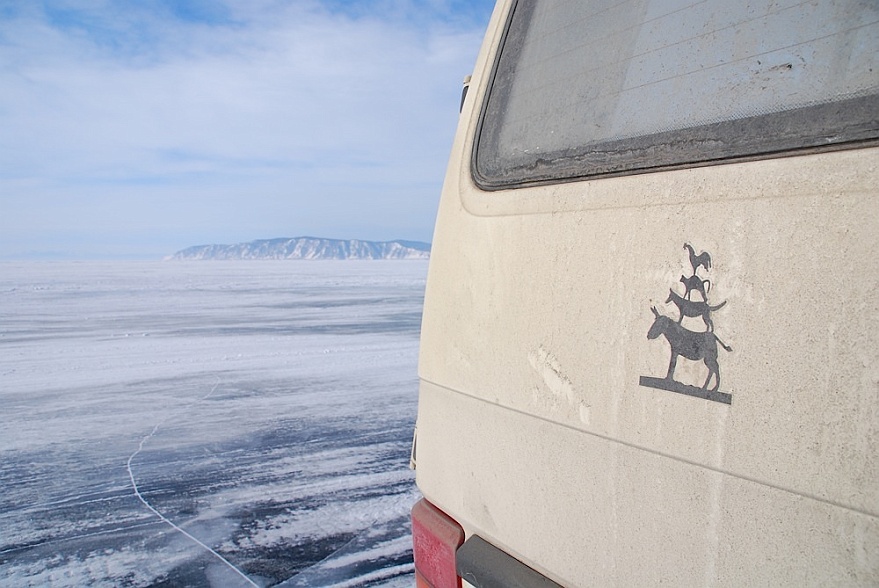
column 584, row 89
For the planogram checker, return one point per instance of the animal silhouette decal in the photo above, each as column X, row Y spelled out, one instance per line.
column 694, row 345
column 696, row 283
column 693, row 308
column 703, row 259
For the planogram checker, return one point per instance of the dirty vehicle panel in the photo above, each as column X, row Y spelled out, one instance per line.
column 649, row 346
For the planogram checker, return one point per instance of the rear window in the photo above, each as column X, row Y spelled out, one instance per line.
column 584, row 89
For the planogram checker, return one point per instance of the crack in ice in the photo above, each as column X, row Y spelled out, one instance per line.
column 164, row 519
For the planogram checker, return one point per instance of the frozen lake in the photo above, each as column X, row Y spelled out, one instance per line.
column 207, row 423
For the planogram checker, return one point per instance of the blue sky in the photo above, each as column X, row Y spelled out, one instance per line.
column 135, row 128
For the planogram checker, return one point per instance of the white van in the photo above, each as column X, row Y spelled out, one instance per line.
column 650, row 345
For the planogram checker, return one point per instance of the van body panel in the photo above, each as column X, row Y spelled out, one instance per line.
column 536, row 430
column 590, row 511
column 549, row 315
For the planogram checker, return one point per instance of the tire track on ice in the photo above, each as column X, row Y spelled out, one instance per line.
column 164, row 519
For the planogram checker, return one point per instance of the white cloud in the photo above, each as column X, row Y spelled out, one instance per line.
column 255, row 113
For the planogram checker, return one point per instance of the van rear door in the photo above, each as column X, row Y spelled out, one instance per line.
column 650, row 345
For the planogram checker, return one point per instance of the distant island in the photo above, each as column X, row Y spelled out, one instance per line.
column 307, row 248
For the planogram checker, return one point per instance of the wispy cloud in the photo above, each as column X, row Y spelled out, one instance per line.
column 277, row 117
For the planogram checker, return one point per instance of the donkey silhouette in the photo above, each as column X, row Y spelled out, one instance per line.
column 692, row 345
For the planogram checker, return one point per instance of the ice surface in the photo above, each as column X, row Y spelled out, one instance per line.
column 264, row 409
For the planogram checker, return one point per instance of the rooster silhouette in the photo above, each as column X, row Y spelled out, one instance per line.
column 703, row 259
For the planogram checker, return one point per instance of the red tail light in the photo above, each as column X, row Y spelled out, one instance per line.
column 435, row 539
